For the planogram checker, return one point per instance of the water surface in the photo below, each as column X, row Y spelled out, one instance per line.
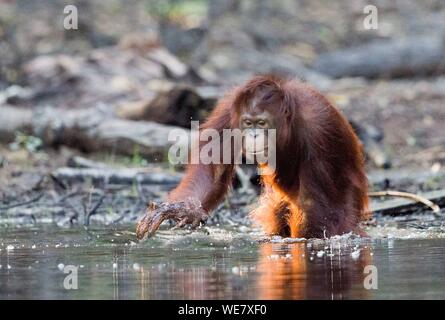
column 213, row 263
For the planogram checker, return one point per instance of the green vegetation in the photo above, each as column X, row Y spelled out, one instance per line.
column 23, row 141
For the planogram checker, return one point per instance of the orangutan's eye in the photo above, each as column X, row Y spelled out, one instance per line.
column 247, row 123
column 261, row 123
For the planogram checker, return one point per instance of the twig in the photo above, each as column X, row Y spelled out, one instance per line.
column 24, row 203
column 415, row 197
column 93, row 210
column 76, row 212
column 122, row 216
column 58, row 182
column 140, row 191
column 66, row 196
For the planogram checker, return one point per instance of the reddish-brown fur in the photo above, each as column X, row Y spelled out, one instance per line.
column 319, row 187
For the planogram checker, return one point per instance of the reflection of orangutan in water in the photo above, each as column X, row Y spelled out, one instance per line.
column 298, row 277
column 275, row 277
column 319, row 185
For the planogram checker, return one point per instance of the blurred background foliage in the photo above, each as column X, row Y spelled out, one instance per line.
column 203, row 31
column 222, row 43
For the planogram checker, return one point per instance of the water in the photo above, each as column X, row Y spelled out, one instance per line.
column 213, row 264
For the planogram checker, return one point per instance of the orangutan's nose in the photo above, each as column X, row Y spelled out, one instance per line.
column 254, row 133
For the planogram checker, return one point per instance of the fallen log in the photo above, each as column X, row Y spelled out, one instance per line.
column 115, row 176
column 414, row 56
column 388, row 178
column 89, row 130
column 177, row 106
column 81, row 162
column 172, row 65
column 372, row 138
